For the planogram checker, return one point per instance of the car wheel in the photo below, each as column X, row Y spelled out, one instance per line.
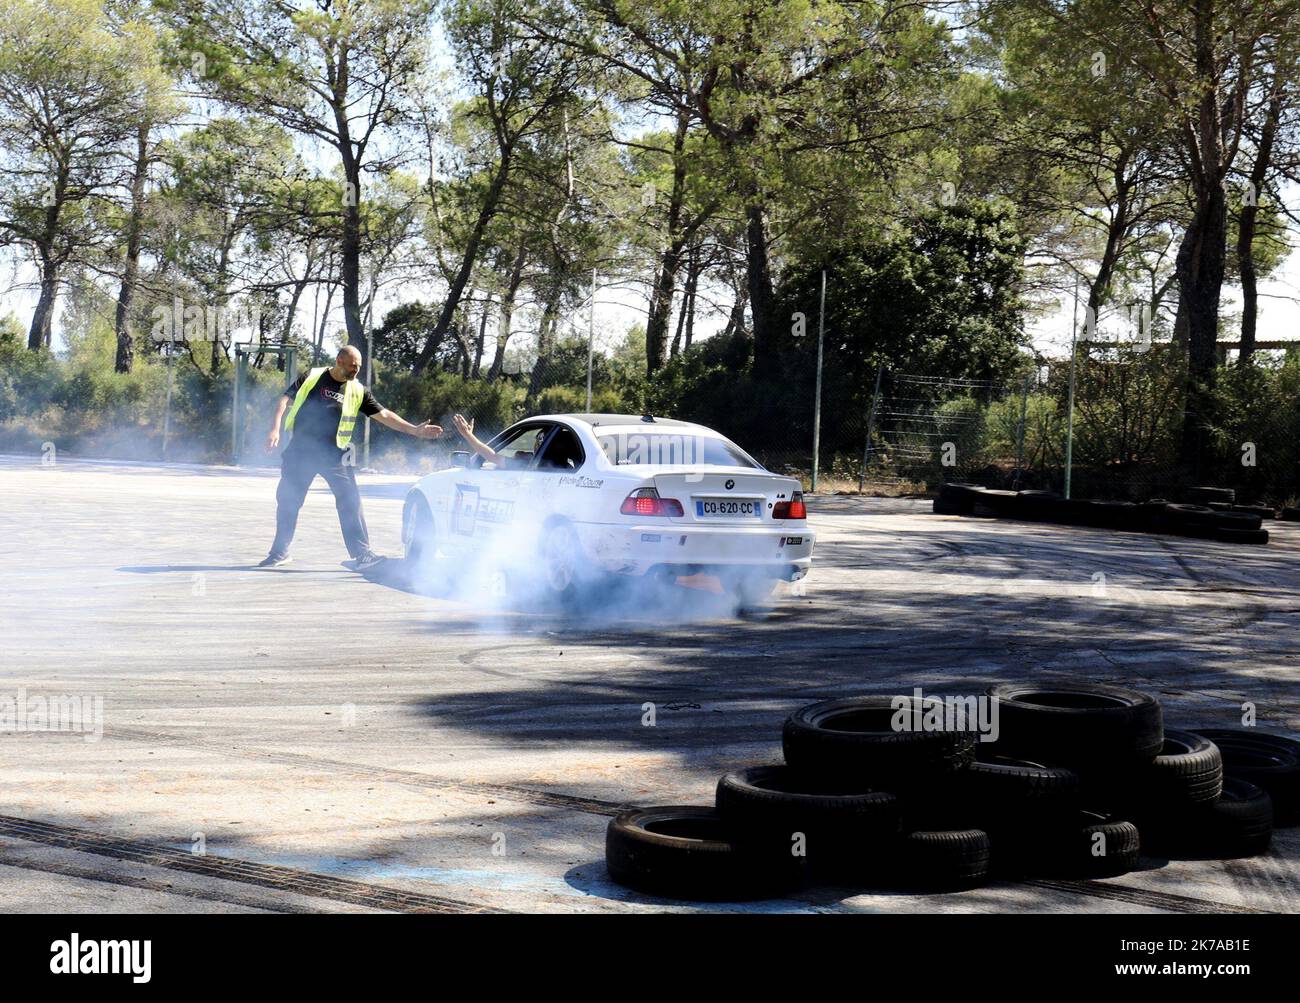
column 418, row 538
column 561, row 562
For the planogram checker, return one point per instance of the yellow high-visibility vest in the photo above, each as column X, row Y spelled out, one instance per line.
column 353, row 394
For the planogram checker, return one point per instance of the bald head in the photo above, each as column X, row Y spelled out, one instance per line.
column 348, row 364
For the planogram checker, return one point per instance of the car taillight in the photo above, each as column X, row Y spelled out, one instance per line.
column 793, row 509
column 646, row 501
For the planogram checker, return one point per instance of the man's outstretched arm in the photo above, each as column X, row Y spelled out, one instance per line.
column 397, row 423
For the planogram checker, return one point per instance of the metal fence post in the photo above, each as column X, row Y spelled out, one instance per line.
column 234, row 411
column 591, row 335
column 817, row 401
column 1020, row 432
column 871, row 427
column 167, row 408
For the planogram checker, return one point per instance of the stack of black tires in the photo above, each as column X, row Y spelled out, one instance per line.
column 1211, row 515
column 907, row 793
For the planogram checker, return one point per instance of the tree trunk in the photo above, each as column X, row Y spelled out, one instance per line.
column 545, row 341
column 482, row 334
column 761, row 295
column 1246, row 226
column 1200, row 266
column 456, row 289
column 686, row 316
column 692, row 283
column 661, row 297
column 736, row 319
column 131, row 264
column 41, row 333
column 507, row 311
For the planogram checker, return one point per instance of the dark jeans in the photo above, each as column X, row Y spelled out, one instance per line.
column 298, row 468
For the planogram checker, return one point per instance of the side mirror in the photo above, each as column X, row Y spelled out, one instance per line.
column 460, row 458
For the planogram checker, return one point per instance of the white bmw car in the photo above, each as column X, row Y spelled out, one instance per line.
column 575, row 498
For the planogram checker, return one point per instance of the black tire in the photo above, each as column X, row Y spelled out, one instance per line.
column 1199, row 496
column 943, row 859
column 1237, row 520
column 853, row 740
column 958, row 495
column 1290, row 514
column 944, row 507
column 1150, row 516
column 1184, row 517
column 1095, row 845
column 1112, row 514
column 1239, row 823
column 845, row 830
column 418, row 540
column 1188, row 771
column 1262, row 511
column 1079, row 725
column 996, row 502
column 1268, row 761
column 1007, row 788
column 688, row 852
column 1038, row 506
column 1252, row 536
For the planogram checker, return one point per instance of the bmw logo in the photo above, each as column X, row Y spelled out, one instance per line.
column 730, row 484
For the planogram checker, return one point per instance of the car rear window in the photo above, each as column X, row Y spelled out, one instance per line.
column 670, row 449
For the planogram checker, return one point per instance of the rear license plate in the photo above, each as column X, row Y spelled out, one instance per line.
column 725, row 508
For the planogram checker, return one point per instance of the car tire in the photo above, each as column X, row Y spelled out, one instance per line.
column 1081, row 726
column 943, row 859
column 1239, row 823
column 561, row 563
column 996, row 503
column 1072, row 850
column 1188, row 771
column 1237, row 520
column 943, row 506
column 1290, row 514
column 852, row 740
column 1200, row 496
column 958, row 496
column 1263, row 511
column 1251, row 536
column 1006, row 789
column 846, row 829
column 688, row 852
column 418, row 539
column 1268, row 761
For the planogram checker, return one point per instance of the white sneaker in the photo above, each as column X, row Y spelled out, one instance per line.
column 364, row 562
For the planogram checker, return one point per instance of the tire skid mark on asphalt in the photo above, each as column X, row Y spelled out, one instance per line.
column 1141, row 896
column 145, row 884
column 409, row 778
column 286, row 879
column 594, row 806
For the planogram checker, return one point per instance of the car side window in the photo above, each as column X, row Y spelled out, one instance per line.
column 562, row 452
column 518, row 449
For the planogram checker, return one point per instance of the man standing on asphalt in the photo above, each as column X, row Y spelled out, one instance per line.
column 323, row 406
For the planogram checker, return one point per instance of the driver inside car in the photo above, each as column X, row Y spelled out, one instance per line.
column 517, row 461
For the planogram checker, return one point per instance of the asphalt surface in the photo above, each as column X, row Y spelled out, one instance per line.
column 311, row 739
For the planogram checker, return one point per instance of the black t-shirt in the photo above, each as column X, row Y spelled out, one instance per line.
column 317, row 422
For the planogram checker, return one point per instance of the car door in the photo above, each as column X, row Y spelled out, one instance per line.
column 486, row 508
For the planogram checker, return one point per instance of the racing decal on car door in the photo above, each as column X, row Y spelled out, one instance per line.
column 464, row 513
column 471, row 508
